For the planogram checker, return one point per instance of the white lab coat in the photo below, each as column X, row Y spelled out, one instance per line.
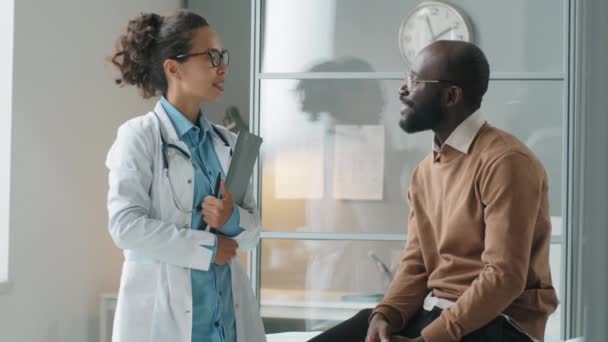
column 155, row 296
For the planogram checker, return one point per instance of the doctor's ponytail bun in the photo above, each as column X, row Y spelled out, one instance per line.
column 149, row 40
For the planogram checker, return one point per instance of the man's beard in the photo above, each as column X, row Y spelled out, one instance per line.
column 423, row 116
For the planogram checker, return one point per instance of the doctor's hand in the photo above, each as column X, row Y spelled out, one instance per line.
column 226, row 250
column 216, row 211
column 379, row 329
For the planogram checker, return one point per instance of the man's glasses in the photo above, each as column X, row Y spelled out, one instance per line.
column 215, row 56
column 411, row 82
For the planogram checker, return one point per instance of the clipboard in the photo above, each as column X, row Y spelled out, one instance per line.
column 246, row 151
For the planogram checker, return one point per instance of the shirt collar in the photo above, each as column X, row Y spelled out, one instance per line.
column 204, row 124
column 182, row 125
column 462, row 137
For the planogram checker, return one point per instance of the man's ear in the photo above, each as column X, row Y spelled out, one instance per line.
column 172, row 68
column 453, row 96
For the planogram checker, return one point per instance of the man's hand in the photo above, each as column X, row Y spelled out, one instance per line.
column 216, row 211
column 379, row 329
column 226, row 250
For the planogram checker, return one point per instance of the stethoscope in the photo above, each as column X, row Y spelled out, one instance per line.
column 184, row 154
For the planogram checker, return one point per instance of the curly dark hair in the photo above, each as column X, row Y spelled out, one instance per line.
column 149, row 40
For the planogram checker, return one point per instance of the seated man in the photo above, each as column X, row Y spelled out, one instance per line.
column 476, row 262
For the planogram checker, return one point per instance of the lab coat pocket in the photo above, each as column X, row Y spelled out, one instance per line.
column 136, row 302
column 139, row 278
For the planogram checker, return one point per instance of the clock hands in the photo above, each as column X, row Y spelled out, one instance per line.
column 430, row 27
column 443, row 32
column 428, row 23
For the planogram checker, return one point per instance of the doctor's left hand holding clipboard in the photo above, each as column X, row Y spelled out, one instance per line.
column 217, row 207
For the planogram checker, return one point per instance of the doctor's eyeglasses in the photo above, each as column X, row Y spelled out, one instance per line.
column 215, row 56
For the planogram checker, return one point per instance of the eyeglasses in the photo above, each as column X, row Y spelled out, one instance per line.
column 410, row 82
column 216, row 56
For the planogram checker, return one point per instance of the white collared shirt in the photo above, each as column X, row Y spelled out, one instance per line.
column 462, row 137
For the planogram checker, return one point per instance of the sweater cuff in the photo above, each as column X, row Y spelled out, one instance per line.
column 392, row 316
column 437, row 332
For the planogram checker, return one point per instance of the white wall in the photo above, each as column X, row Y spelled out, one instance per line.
column 66, row 111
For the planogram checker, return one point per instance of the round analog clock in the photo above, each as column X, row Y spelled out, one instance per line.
column 428, row 22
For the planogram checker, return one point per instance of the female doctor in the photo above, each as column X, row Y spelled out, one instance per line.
column 180, row 280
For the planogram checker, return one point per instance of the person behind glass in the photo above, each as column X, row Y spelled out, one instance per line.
column 476, row 261
column 169, row 208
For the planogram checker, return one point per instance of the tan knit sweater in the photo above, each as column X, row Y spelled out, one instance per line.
column 479, row 234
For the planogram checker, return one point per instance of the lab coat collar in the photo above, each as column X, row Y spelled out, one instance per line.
column 170, row 133
column 166, row 126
